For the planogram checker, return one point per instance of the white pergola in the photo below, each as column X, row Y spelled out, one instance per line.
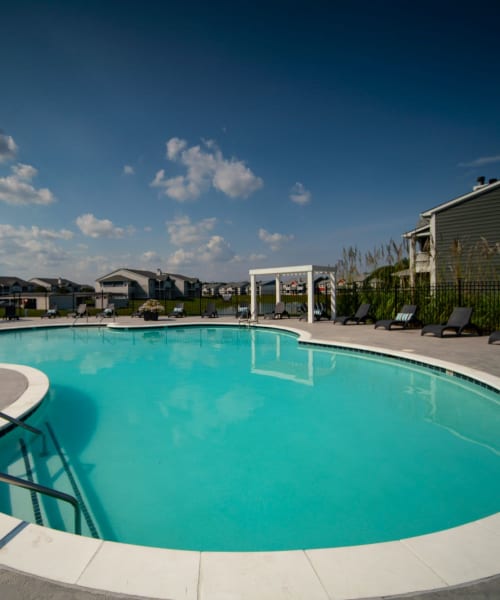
column 309, row 270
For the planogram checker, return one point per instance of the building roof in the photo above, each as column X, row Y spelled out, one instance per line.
column 423, row 229
column 148, row 274
column 423, row 225
column 55, row 281
column 178, row 276
column 8, row 280
column 113, row 277
column 476, row 192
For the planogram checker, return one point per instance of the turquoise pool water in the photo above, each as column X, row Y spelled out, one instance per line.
column 217, row 438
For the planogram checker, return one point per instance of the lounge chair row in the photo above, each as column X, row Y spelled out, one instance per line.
column 458, row 322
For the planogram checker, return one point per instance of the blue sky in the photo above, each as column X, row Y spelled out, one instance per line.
column 207, row 138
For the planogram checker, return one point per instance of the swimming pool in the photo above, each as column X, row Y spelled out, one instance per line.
column 241, row 439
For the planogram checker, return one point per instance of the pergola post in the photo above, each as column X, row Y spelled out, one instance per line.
column 277, row 283
column 253, row 298
column 310, row 297
column 333, row 295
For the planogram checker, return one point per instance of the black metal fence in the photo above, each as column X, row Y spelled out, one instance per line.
column 434, row 303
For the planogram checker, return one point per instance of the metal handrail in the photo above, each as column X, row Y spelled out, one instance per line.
column 41, row 489
column 24, row 425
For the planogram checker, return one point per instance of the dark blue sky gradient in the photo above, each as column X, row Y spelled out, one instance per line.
column 375, row 107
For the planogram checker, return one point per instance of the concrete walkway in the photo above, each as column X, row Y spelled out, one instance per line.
column 13, row 384
column 470, row 352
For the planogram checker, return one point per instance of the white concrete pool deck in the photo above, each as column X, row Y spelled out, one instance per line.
column 37, row 562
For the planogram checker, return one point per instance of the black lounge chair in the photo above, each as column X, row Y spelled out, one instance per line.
column 279, row 312
column 80, row 312
column 108, row 312
column 302, row 310
column 178, row 311
column 458, row 322
column 243, row 311
column 360, row 316
column 494, row 337
column 320, row 312
column 210, row 311
column 404, row 319
column 10, row 312
column 51, row 313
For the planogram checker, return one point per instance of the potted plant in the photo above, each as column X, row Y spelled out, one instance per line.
column 150, row 310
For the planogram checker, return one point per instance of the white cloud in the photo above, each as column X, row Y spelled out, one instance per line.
column 24, row 172
column 235, row 179
column 205, row 168
column 300, row 195
column 32, row 248
column 17, row 189
column 479, row 162
column 182, row 231
column 96, row 228
column 151, row 257
column 180, row 259
column 174, row 146
column 178, row 188
column 200, row 246
column 255, row 257
column 251, row 258
column 274, row 240
column 215, row 250
column 128, row 170
column 8, row 148
column 49, row 234
column 33, row 232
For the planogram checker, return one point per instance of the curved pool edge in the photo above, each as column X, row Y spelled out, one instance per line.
column 443, row 559
column 30, row 399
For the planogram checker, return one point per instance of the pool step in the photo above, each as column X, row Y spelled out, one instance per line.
column 75, row 488
column 35, row 500
column 24, row 504
column 52, row 470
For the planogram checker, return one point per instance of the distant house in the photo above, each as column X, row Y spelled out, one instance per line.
column 55, row 284
column 294, row 287
column 265, row 288
column 212, row 288
column 356, row 281
column 139, row 284
column 239, row 288
column 459, row 239
column 43, row 293
column 14, row 285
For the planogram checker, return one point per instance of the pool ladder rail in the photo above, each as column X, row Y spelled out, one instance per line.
column 30, row 484
column 41, row 489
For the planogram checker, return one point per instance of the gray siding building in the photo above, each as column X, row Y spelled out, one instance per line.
column 459, row 239
column 139, row 284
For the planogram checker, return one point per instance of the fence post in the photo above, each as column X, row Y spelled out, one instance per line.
column 396, row 296
column 459, row 290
